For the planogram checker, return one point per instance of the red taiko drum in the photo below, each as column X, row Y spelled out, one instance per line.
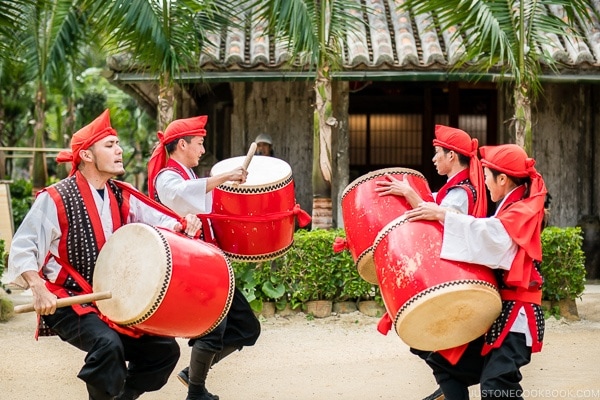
column 256, row 219
column 365, row 212
column 163, row 283
column 435, row 304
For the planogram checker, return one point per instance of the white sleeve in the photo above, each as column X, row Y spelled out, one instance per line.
column 456, row 199
column 140, row 212
column 481, row 241
column 183, row 196
column 38, row 234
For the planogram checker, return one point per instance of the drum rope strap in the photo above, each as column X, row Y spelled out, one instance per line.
column 303, row 217
column 156, row 205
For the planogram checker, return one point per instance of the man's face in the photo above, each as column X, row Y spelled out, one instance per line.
column 263, row 149
column 495, row 184
column 107, row 156
column 193, row 151
column 441, row 160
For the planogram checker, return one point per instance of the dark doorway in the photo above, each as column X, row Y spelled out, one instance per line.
column 391, row 124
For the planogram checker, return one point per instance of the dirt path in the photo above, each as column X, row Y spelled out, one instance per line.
column 340, row 357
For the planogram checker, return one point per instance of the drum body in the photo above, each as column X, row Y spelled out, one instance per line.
column 435, row 304
column 262, row 222
column 365, row 213
column 163, row 283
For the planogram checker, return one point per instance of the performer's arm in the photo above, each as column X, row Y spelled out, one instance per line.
column 37, row 235
column 183, row 196
column 481, row 241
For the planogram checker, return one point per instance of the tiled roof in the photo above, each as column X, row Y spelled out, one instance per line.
column 393, row 40
column 394, row 43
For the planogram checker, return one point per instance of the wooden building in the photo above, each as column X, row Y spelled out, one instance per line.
column 395, row 85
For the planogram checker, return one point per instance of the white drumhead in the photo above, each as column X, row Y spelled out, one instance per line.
column 448, row 315
column 262, row 170
column 135, row 265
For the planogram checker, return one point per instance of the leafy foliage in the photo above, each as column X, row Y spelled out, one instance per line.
column 21, row 199
column 260, row 282
column 311, row 270
column 563, row 263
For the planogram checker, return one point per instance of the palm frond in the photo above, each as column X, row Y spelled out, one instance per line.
column 161, row 35
column 314, row 30
column 506, row 35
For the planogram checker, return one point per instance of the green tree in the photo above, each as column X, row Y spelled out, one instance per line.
column 162, row 37
column 52, row 33
column 315, row 31
column 510, row 36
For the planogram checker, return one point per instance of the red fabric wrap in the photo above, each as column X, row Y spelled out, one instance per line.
column 84, row 138
column 177, row 129
column 458, row 140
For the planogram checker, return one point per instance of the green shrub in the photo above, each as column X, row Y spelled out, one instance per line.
column 21, row 199
column 260, row 282
column 310, row 267
column 310, row 270
column 563, row 263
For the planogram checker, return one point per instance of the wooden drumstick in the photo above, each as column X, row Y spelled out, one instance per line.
column 68, row 301
column 249, row 156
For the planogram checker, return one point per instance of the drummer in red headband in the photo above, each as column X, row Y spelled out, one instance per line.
column 455, row 157
column 464, row 192
column 54, row 253
column 510, row 243
column 172, row 181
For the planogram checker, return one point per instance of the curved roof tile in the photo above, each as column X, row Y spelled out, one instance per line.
column 393, row 40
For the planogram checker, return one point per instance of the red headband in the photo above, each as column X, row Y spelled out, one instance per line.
column 84, row 138
column 459, row 141
column 509, row 159
column 176, row 130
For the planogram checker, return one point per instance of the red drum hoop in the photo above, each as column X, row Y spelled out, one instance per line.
column 365, row 212
column 163, row 283
column 435, row 304
column 261, row 210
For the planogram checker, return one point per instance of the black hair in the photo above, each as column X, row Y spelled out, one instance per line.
column 172, row 145
column 518, row 181
column 462, row 159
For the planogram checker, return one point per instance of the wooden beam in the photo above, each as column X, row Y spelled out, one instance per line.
column 44, row 149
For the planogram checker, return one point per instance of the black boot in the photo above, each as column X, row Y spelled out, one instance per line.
column 128, row 394
column 200, row 363
column 184, row 374
column 437, row 395
column 97, row 394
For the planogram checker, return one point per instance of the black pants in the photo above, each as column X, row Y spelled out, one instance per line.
column 238, row 329
column 151, row 358
column 498, row 372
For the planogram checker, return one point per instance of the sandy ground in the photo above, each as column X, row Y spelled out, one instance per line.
column 339, row 357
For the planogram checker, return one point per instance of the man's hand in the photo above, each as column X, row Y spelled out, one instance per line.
column 426, row 211
column 192, row 225
column 44, row 301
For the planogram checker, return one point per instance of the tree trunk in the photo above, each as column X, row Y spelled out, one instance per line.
column 67, row 133
column 339, row 148
column 523, row 134
column 166, row 104
column 39, row 169
column 324, row 121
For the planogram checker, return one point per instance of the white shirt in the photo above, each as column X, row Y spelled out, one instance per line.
column 455, row 199
column 482, row 241
column 40, row 233
column 183, row 196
